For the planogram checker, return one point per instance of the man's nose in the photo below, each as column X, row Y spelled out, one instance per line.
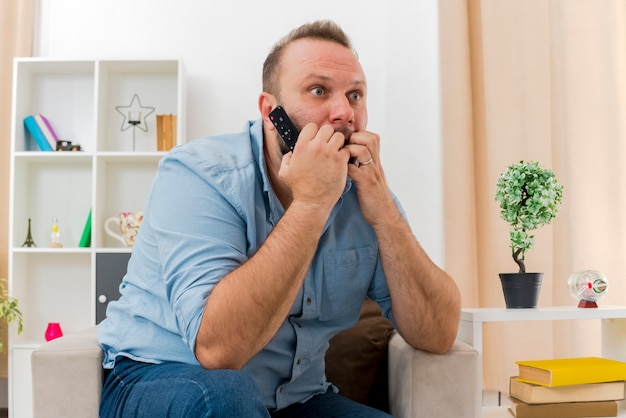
column 341, row 111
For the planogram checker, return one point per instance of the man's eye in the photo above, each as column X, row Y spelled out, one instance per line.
column 318, row 91
column 355, row 95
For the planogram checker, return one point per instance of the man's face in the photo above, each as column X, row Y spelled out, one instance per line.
column 323, row 82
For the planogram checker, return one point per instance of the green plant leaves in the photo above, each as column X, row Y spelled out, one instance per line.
column 10, row 311
column 530, row 197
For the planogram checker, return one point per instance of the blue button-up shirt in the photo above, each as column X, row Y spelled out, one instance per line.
column 210, row 208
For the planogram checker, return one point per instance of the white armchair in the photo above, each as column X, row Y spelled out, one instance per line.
column 67, row 379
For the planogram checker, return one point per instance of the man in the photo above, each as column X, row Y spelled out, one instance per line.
column 250, row 259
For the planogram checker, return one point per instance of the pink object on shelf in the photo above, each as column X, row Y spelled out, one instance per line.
column 53, row 331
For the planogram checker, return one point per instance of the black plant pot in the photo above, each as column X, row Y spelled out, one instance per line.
column 521, row 290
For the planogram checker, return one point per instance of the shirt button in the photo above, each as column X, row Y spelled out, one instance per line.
column 280, row 389
column 299, row 325
column 299, row 361
column 308, row 301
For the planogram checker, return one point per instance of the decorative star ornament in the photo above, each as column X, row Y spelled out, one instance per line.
column 134, row 106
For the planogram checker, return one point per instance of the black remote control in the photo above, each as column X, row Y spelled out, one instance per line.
column 284, row 126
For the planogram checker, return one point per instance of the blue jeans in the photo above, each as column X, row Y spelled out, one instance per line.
column 332, row 405
column 176, row 390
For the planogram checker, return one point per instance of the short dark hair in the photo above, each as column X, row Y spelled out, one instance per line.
column 325, row 30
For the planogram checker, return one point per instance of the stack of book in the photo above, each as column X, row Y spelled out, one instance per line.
column 567, row 388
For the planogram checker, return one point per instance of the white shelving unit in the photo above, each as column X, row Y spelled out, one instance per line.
column 613, row 326
column 106, row 177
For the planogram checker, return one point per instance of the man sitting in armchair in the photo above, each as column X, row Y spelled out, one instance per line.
column 253, row 255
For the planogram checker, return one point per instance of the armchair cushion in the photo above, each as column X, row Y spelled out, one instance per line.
column 356, row 361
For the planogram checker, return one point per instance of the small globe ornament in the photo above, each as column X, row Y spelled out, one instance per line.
column 587, row 286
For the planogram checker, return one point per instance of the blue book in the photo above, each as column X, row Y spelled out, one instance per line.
column 35, row 132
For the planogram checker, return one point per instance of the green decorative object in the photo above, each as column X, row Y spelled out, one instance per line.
column 85, row 239
column 530, row 197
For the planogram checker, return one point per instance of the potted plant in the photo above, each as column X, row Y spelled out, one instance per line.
column 529, row 197
column 9, row 310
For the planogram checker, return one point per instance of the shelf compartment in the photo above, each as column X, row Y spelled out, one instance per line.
column 123, row 184
column 155, row 82
column 52, row 287
column 51, row 186
column 63, row 91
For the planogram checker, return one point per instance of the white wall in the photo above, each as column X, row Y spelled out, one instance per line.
column 223, row 45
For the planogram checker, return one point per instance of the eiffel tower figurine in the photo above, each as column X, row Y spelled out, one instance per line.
column 29, row 238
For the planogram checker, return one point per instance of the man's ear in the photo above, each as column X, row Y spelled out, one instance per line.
column 267, row 103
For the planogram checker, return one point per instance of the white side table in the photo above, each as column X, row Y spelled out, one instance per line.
column 613, row 329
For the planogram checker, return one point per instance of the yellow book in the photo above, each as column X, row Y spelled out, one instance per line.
column 571, row 371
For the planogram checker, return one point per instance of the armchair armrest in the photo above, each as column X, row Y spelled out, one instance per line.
column 429, row 385
column 67, row 376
